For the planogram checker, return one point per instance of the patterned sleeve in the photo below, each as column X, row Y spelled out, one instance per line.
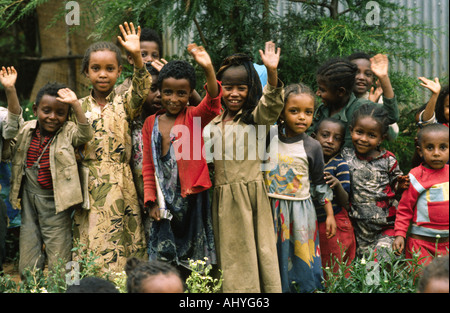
column 394, row 169
column 135, row 96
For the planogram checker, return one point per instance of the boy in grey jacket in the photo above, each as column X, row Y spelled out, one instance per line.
column 44, row 176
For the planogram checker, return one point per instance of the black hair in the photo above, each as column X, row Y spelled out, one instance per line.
column 440, row 117
column 296, row 89
column 332, row 120
column 377, row 113
column 437, row 269
column 435, row 127
column 137, row 271
column 359, row 55
column 93, row 285
column 148, row 34
column 178, row 69
column 100, row 46
column 337, row 73
column 50, row 89
column 151, row 69
column 253, row 82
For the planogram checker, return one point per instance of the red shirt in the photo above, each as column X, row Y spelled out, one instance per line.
column 192, row 167
column 34, row 151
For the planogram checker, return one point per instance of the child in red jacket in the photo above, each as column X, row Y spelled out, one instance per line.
column 176, row 176
column 425, row 202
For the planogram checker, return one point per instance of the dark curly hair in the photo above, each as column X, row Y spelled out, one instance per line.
column 100, row 46
column 437, row 269
column 337, row 73
column 440, row 117
column 377, row 113
column 253, row 82
column 137, row 271
column 50, row 89
column 148, row 34
column 178, row 69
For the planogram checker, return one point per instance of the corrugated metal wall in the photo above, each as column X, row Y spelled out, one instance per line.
column 434, row 12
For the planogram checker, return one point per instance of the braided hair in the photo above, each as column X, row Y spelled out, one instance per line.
column 137, row 271
column 100, row 46
column 253, row 82
column 379, row 114
column 337, row 73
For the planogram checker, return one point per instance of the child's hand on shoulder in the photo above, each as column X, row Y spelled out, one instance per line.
column 331, row 180
column 433, row 86
column 8, row 77
column 200, row 55
column 66, row 95
column 380, row 65
column 130, row 40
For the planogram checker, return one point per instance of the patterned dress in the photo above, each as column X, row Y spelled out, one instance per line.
column 292, row 179
column 112, row 227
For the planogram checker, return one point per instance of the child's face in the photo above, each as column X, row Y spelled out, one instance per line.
column 175, row 95
column 234, row 88
column 330, row 136
column 149, row 52
column 153, row 102
column 364, row 76
column 330, row 97
column 103, row 70
column 434, row 149
column 51, row 114
column 298, row 114
column 367, row 136
column 446, row 108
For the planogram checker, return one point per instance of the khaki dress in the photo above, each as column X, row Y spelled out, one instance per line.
column 242, row 218
column 112, row 226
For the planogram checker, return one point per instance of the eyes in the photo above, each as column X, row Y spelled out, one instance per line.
column 442, row 147
column 154, row 55
column 371, row 135
column 326, row 135
column 60, row 112
column 180, row 93
column 230, row 88
column 109, row 68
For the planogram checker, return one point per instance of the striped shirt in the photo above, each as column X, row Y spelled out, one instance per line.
column 337, row 167
column 34, row 151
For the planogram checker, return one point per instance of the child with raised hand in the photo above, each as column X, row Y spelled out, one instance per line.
column 291, row 178
column 330, row 134
column 10, row 118
column 438, row 104
column 112, row 225
column 372, row 87
column 423, row 207
column 176, row 177
column 242, row 218
column 44, row 174
column 336, row 80
column 376, row 181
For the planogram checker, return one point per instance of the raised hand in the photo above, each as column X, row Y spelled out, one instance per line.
column 270, row 56
column 8, row 77
column 380, row 65
column 65, row 95
column 433, row 86
column 200, row 55
column 158, row 64
column 130, row 40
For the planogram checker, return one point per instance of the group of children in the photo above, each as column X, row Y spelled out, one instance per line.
column 123, row 171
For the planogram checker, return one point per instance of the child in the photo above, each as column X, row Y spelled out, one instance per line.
column 10, row 119
column 425, row 202
column 112, row 226
column 288, row 177
column 152, row 277
column 336, row 80
column 173, row 161
column 44, row 175
column 243, row 225
column 330, row 134
column 435, row 277
column 437, row 108
column 92, row 284
column 365, row 80
column 374, row 176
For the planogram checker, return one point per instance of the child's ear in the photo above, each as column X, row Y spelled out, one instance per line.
column 341, row 91
column 120, row 71
column 419, row 151
column 34, row 108
column 313, row 135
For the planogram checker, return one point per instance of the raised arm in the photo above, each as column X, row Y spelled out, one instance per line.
column 271, row 57
column 380, row 67
column 435, row 88
column 203, row 59
column 8, row 78
column 131, row 43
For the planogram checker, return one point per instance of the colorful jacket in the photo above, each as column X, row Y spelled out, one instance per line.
column 425, row 203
